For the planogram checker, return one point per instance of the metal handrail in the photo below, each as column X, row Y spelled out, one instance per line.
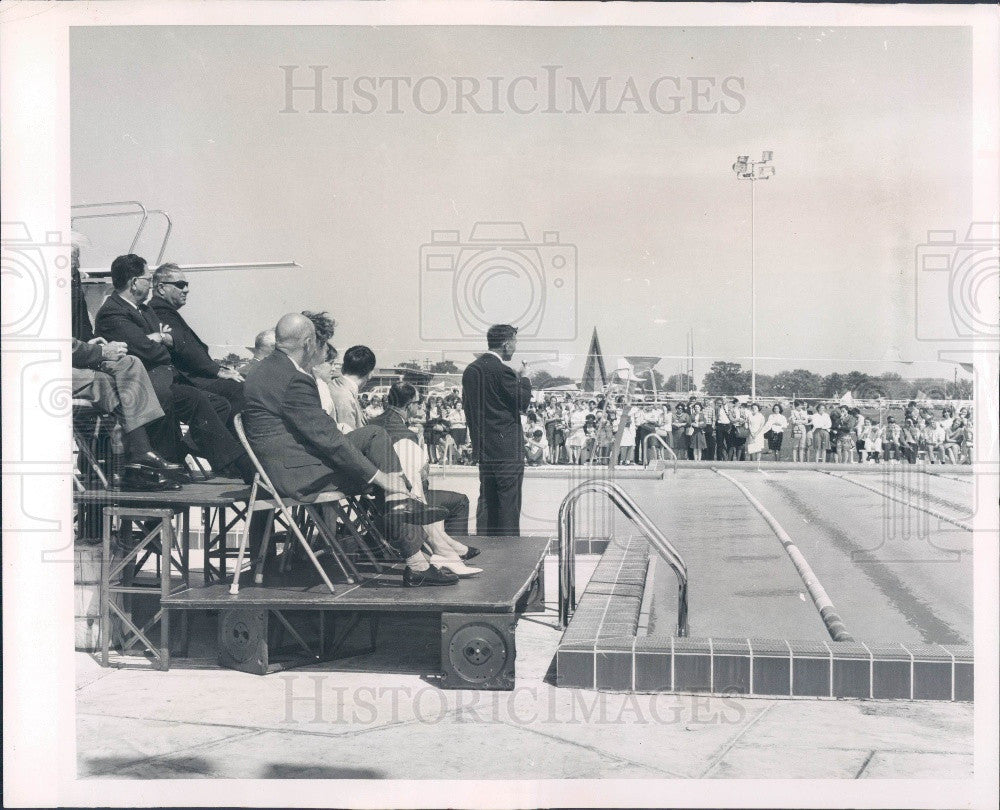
column 629, row 508
column 135, row 203
column 645, row 449
column 166, row 233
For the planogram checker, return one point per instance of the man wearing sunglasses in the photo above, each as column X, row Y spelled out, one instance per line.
column 124, row 317
column 188, row 351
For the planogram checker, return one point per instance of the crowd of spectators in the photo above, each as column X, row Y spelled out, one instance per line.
column 574, row 429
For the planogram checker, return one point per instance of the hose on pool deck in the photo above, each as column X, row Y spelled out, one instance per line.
column 834, row 624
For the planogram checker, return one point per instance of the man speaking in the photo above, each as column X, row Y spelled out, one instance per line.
column 494, row 397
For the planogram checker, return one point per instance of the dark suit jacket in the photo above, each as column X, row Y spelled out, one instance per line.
column 494, row 398
column 189, row 353
column 296, row 441
column 82, row 329
column 394, row 425
column 119, row 320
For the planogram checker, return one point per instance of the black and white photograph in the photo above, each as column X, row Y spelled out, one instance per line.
column 500, row 404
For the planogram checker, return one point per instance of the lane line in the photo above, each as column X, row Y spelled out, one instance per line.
column 932, row 512
column 834, row 624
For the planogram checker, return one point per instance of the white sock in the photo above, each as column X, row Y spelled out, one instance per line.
column 418, row 562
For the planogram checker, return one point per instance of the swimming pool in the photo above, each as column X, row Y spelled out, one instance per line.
column 889, row 545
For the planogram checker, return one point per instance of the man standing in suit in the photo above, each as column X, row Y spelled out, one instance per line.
column 304, row 453
column 494, row 397
column 126, row 319
column 357, row 368
column 188, row 352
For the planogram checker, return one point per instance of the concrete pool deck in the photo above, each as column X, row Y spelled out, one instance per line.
column 353, row 723
column 352, row 719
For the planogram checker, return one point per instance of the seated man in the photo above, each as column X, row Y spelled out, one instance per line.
column 263, row 345
column 304, row 453
column 402, row 404
column 125, row 318
column 114, row 382
column 188, row 352
column 356, row 370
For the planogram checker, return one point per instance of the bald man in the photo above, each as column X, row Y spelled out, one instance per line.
column 304, row 453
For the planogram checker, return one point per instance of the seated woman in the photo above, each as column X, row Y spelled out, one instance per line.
column 953, row 444
column 535, row 447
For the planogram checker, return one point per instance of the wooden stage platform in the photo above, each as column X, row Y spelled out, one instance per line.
column 478, row 615
column 509, row 567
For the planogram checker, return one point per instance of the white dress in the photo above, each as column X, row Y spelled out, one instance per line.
column 755, row 442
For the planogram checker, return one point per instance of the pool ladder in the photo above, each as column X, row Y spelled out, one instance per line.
column 631, row 510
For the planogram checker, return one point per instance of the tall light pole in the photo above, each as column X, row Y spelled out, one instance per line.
column 753, row 171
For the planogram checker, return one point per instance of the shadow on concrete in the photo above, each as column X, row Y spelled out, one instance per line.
column 286, row 770
column 164, row 767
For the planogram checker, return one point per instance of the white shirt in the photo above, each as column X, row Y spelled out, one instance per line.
column 777, row 423
column 821, row 421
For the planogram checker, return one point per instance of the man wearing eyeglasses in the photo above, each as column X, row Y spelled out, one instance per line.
column 188, row 351
column 124, row 317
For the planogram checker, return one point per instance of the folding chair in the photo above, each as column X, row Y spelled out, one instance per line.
column 286, row 508
column 91, row 434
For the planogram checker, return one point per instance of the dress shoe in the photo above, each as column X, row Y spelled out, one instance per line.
column 455, row 565
column 410, row 510
column 471, row 552
column 155, row 461
column 432, row 576
column 136, row 478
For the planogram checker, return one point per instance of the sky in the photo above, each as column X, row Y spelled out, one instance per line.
column 870, row 129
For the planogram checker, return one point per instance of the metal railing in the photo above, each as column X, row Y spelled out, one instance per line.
column 648, row 440
column 629, row 508
column 132, row 208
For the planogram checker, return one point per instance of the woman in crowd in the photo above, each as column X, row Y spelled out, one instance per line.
column 954, row 441
column 821, row 425
column 740, row 417
column 605, row 437
column 774, row 429
column 664, row 429
column 678, row 430
column 846, row 436
column 891, row 438
column 589, row 437
column 535, row 447
column 755, row 440
column 697, row 441
column 456, row 418
column 909, row 441
column 555, row 435
column 625, row 452
column 576, row 440
column 873, row 443
column 376, row 405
